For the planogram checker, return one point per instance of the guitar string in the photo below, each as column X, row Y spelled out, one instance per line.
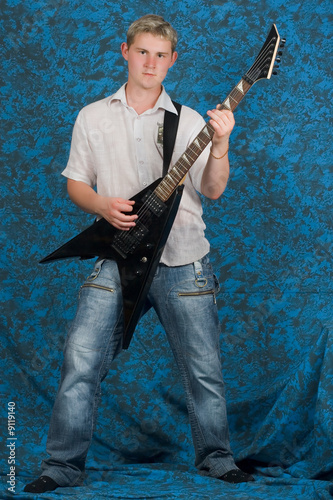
column 261, row 57
column 125, row 235
column 253, row 71
column 143, row 216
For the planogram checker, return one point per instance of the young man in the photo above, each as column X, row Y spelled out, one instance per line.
column 115, row 146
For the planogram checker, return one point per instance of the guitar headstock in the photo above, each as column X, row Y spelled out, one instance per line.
column 263, row 66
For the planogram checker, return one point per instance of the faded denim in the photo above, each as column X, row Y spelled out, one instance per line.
column 184, row 300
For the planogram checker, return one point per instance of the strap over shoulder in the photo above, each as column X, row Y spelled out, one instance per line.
column 170, row 127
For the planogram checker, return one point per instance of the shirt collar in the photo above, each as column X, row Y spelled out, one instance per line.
column 163, row 102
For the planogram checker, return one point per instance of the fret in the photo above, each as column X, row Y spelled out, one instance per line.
column 175, row 176
column 166, row 186
column 205, row 131
column 226, row 104
column 161, row 193
column 178, row 167
column 234, row 99
column 189, row 152
column 237, row 94
column 184, row 157
column 177, row 173
column 195, row 146
column 240, row 87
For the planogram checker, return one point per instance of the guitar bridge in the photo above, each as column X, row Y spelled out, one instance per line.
column 125, row 242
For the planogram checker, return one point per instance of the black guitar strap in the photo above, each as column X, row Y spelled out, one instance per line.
column 170, row 127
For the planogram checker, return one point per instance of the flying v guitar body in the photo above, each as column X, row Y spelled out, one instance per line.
column 137, row 252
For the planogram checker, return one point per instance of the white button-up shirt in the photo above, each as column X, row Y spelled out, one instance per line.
column 121, row 152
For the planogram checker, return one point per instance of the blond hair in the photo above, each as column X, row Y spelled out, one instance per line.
column 155, row 25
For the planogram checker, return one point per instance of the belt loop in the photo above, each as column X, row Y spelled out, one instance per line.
column 200, row 281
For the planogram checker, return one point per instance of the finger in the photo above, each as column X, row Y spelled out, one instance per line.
column 127, row 202
column 220, row 117
column 217, row 122
column 123, row 225
column 222, row 124
column 224, row 114
column 124, row 205
column 219, row 125
column 120, row 226
column 123, row 218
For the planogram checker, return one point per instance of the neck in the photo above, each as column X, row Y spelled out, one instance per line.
column 142, row 99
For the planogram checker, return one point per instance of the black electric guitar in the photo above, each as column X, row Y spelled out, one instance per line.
column 138, row 251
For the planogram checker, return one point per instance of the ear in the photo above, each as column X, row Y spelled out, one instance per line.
column 124, row 50
column 173, row 58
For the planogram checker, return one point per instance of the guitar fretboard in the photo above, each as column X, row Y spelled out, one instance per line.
column 177, row 173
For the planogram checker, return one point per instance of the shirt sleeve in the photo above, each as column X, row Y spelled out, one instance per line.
column 80, row 166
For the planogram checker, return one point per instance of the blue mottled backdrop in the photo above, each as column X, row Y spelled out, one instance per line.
column 271, row 236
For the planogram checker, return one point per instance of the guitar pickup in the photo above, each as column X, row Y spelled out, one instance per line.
column 125, row 242
column 154, row 204
column 139, row 231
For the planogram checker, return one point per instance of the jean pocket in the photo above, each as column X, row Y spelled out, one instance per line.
column 198, row 294
column 203, row 285
column 194, row 294
column 99, row 287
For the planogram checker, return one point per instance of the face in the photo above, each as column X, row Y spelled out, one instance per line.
column 149, row 58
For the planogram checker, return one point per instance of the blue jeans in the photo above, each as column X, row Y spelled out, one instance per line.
column 184, row 300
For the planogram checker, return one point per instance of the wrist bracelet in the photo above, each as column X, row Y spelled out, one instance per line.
column 218, row 157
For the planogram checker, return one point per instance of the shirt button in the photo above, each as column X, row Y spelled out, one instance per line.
column 144, row 183
column 138, row 139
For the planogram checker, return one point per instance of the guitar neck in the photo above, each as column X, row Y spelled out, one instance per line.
column 176, row 175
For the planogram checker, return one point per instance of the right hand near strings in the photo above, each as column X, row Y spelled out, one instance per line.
column 115, row 210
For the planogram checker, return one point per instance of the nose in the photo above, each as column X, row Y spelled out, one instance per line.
column 150, row 61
